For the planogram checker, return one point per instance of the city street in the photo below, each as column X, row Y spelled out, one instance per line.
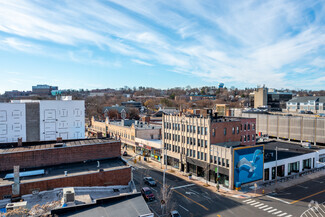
column 190, row 199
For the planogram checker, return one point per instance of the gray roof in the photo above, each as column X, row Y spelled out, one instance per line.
column 308, row 98
column 118, row 108
column 127, row 206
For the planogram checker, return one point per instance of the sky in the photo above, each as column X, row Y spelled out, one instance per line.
column 162, row 44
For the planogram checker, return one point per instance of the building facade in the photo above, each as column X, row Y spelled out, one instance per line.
column 315, row 104
column 42, row 120
column 193, row 143
column 43, row 89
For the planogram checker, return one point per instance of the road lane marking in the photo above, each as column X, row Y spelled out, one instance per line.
column 259, row 205
column 247, row 200
column 275, row 198
column 267, row 208
column 184, row 208
column 182, row 186
column 288, row 215
column 307, row 197
column 283, row 214
column 191, row 200
column 251, row 201
column 320, row 182
column 254, row 203
column 262, row 207
column 302, row 186
column 194, row 191
column 278, row 212
column 207, row 197
column 272, row 210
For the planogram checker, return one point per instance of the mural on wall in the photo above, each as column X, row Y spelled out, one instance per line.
column 248, row 164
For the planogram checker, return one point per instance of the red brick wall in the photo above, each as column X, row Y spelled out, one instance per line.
column 105, row 178
column 49, row 157
column 251, row 131
column 219, row 132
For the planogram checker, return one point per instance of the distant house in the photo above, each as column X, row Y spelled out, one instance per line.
column 316, row 104
column 123, row 112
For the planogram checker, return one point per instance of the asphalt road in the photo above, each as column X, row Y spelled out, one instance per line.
column 195, row 200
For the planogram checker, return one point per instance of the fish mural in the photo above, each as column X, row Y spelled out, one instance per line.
column 249, row 166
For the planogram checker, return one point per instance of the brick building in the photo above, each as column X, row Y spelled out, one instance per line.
column 195, row 142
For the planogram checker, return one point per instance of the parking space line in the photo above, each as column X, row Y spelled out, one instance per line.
column 182, row 186
column 184, row 208
column 307, row 196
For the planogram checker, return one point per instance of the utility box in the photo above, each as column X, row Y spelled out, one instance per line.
column 12, row 206
column 68, row 195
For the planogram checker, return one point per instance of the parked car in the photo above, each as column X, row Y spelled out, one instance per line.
column 125, row 153
column 302, row 112
column 320, row 115
column 149, row 181
column 309, row 112
column 147, row 194
column 175, row 213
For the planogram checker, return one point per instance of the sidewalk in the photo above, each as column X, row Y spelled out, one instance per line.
column 196, row 180
column 223, row 190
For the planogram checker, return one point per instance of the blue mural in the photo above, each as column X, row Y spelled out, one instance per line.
column 248, row 165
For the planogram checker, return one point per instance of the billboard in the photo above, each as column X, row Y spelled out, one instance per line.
column 248, row 164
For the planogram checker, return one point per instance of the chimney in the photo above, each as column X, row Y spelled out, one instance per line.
column 59, row 139
column 20, row 142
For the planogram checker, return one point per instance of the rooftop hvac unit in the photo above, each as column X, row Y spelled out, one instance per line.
column 306, row 145
column 68, row 195
column 12, row 206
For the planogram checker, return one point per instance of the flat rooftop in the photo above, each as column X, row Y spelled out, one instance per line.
column 132, row 205
column 285, row 150
column 73, row 169
column 30, row 146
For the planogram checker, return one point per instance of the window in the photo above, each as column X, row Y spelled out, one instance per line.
column 237, row 130
column 179, row 138
column 173, row 148
column 215, row 159
column 244, row 138
column 248, row 126
column 253, row 126
column 188, row 128
column 248, row 138
column 211, row 159
column 178, row 127
column 205, row 156
column 198, row 155
column 202, row 130
column 223, row 162
column 205, row 144
column 219, row 161
column 188, row 140
column 253, row 137
column 206, row 131
column 213, row 132
column 201, row 155
column 198, row 143
column 194, row 141
column 191, row 128
column 227, row 162
column 244, row 126
column 191, row 153
column 191, row 141
column 178, row 149
column 198, row 130
column 187, row 152
column 233, row 130
column 194, row 129
column 151, row 136
column 225, row 131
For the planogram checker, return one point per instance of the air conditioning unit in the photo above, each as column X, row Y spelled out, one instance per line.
column 12, row 206
column 306, row 144
column 68, row 195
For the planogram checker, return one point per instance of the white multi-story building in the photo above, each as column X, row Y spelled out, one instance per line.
column 316, row 104
column 42, row 120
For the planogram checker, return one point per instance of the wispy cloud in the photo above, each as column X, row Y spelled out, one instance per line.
column 247, row 42
column 142, row 62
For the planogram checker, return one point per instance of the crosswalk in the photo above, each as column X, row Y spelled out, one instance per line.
column 315, row 211
column 266, row 208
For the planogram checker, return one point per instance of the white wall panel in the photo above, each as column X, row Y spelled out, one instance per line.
column 12, row 122
column 68, row 116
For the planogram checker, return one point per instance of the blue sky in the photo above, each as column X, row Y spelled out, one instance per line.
column 162, row 44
